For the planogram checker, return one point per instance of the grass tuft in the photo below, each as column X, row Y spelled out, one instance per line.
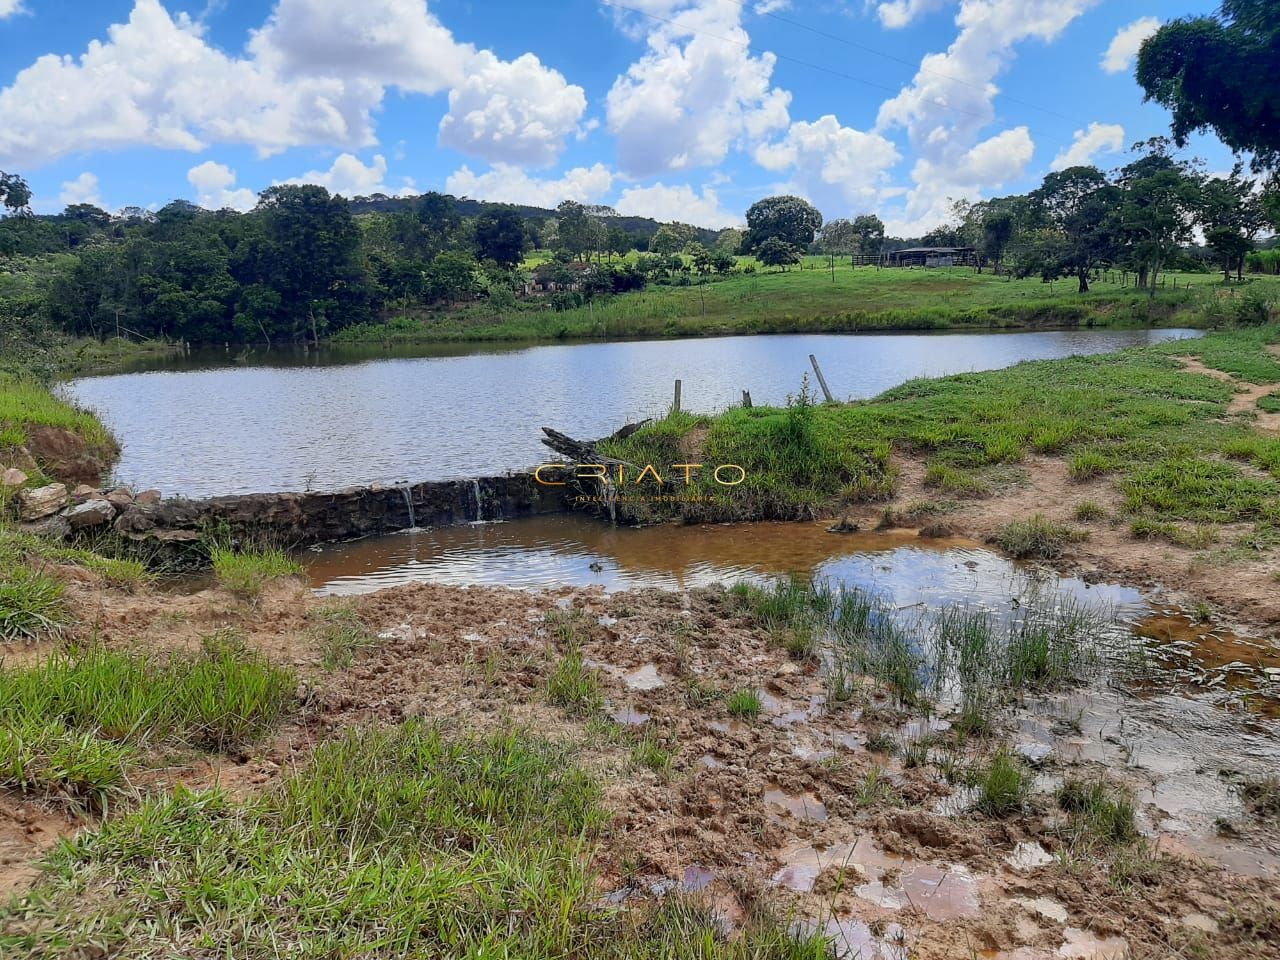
column 31, row 605
column 246, row 572
column 575, row 686
column 744, row 703
column 75, row 721
column 1036, row 539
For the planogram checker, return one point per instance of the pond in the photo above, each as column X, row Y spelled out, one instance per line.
column 273, row 421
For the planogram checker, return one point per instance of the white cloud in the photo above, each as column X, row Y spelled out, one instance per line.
column 951, row 100
column 83, row 189
column 506, row 183
column 216, row 189
column 840, row 169
column 315, row 74
column 696, row 93
column 1126, row 44
column 983, row 168
column 516, row 112
column 9, row 7
column 1088, row 144
column 896, row 14
column 766, row 7
column 350, row 177
column 681, row 202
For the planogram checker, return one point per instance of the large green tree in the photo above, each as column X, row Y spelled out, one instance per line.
column 1220, row 73
column 1081, row 206
column 500, row 236
column 791, row 220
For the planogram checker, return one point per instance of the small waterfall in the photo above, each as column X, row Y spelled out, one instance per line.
column 611, row 498
column 479, row 500
column 407, row 490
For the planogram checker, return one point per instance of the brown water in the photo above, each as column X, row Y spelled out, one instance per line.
column 266, row 421
column 913, row 574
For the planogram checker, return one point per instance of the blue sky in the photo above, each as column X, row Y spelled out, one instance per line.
column 678, row 109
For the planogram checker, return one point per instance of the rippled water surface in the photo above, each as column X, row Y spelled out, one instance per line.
column 218, row 424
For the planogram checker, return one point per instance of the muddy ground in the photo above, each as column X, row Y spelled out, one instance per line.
column 789, row 811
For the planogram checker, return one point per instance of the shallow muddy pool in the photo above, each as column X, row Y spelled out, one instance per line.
column 265, row 421
column 912, row 574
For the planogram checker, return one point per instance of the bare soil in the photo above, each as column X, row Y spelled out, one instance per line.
column 767, row 813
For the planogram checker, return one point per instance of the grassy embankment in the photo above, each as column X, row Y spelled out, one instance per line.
column 863, row 298
column 1184, row 465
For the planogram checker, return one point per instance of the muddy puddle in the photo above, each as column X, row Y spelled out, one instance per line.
column 1176, row 655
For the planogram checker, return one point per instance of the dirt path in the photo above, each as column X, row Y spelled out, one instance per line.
column 1244, row 402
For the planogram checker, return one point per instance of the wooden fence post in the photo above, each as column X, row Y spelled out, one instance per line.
column 746, row 399
column 822, row 381
column 675, row 407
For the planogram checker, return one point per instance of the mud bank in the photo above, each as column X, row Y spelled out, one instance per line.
column 839, row 813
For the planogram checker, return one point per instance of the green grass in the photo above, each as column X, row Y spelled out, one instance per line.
column 792, row 609
column 247, row 571
column 31, row 604
column 808, row 300
column 1104, row 811
column 1088, row 464
column 25, row 404
column 575, row 686
column 1135, row 415
column 399, row 842
column 652, row 754
column 955, row 481
column 1036, row 538
column 1270, row 403
column 76, row 721
column 340, row 635
column 1003, row 784
column 1196, row 537
column 744, row 703
column 1088, row 511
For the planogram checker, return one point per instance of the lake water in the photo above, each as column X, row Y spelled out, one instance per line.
column 272, row 421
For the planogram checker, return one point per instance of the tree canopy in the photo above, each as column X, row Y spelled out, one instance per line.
column 1220, row 73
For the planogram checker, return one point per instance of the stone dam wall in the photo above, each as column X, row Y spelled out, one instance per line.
column 289, row 519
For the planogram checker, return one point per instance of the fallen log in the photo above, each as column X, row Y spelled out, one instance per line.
column 588, row 451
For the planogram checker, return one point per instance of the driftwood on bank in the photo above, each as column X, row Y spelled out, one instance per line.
column 588, row 451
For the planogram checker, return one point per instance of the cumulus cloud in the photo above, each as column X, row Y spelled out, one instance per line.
column 506, row 183
column 215, row 185
column 83, row 189
column 350, row 177
column 1126, row 44
column 315, row 73
column 516, row 112
column 1087, row 144
column 899, row 13
column 696, row 92
column 9, row 7
column 951, row 100
column 840, row 169
column 680, row 202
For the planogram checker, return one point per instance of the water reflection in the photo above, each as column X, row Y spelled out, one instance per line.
column 210, row 425
column 904, row 569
